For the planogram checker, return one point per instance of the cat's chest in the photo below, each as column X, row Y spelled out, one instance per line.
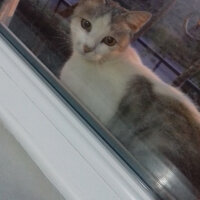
column 99, row 87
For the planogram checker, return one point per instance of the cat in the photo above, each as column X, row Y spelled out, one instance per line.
column 107, row 75
column 106, row 56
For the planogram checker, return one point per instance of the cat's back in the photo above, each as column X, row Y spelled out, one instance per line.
column 163, row 120
column 148, row 100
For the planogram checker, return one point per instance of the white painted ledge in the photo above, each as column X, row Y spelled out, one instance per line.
column 20, row 178
column 65, row 150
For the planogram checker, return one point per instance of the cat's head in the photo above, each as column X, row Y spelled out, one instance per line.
column 102, row 29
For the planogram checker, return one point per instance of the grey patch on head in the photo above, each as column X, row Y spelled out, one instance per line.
column 118, row 22
column 117, row 12
column 97, row 12
column 111, row 7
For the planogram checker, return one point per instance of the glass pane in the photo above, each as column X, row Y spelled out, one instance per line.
column 131, row 71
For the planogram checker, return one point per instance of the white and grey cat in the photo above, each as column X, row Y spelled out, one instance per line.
column 109, row 78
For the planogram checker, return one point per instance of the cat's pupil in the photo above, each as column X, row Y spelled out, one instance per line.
column 110, row 41
column 86, row 25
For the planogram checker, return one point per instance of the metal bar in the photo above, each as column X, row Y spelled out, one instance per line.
column 158, row 56
column 157, row 65
column 169, row 66
column 57, row 6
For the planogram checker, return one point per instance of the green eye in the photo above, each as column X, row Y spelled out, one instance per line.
column 86, row 25
column 110, row 41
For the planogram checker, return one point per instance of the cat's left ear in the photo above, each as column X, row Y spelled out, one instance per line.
column 137, row 19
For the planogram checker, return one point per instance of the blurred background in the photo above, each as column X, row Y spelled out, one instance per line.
column 169, row 45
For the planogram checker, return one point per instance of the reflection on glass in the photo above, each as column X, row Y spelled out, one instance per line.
column 8, row 8
column 125, row 83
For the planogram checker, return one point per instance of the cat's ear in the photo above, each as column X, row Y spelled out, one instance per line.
column 137, row 19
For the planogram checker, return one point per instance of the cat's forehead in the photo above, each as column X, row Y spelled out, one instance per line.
column 94, row 10
column 112, row 14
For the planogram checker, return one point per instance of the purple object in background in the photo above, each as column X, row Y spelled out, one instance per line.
column 68, row 3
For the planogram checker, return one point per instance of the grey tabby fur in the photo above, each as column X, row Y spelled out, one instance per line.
column 163, row 125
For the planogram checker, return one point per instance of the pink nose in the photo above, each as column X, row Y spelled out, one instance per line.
column 87, row 49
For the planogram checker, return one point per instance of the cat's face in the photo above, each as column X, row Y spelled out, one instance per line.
column 102, row 29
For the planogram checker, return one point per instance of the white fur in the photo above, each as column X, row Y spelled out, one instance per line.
column 101, row 86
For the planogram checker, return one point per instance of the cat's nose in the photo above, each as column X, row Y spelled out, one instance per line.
column 87, row 49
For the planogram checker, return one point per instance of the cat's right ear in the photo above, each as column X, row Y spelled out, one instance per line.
column 137, row 19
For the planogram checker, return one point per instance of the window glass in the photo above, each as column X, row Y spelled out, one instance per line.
column 134, row 67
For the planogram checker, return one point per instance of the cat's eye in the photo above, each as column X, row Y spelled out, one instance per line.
column 86, row 25
column 110, row 41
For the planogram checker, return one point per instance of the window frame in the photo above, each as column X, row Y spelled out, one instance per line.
column 116, row 161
